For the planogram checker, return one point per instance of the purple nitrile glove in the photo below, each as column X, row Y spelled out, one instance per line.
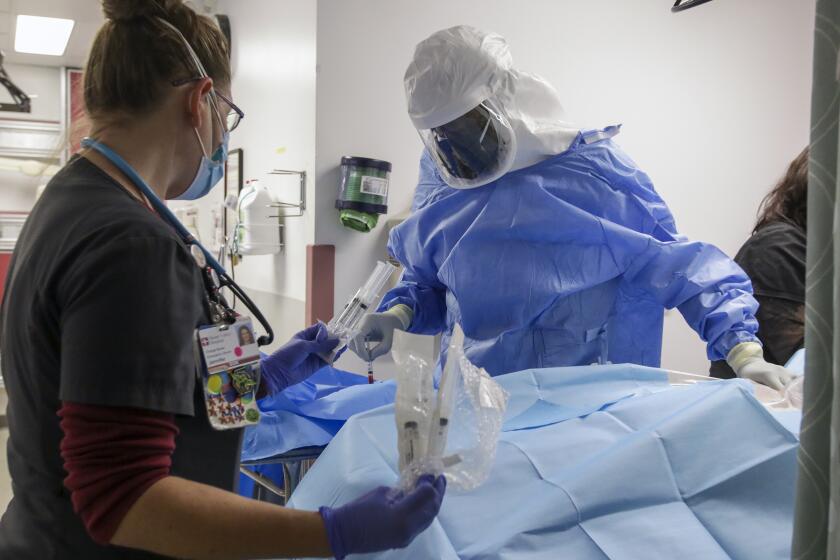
column 297, row 359
column 383, row 519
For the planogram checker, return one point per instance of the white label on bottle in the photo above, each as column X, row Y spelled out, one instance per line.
column 374, row 185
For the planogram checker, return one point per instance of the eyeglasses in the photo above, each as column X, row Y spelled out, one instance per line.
column 233, row 117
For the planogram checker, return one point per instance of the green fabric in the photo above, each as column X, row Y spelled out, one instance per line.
column 816, row 523
column 360, row 221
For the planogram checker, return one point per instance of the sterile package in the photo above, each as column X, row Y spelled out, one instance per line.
column 452, row 431
column 794, row 392
column 345, row 325
column 794, row 389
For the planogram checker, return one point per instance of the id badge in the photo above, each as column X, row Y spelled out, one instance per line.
column 231, row 373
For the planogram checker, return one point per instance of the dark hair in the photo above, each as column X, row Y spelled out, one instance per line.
column 135, row 56
column 246, row 331
column 788, row 201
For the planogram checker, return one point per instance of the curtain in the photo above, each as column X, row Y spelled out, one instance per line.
column 816, row 524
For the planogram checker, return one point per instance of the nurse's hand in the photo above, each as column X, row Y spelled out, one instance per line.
column 747, row 361
column 383, row 519
column 379, row 328
column 297, row 359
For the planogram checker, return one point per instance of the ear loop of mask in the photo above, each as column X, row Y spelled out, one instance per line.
column 203, row 74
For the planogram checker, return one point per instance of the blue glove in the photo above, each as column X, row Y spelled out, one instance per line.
column 297, row 359
column 383, row 519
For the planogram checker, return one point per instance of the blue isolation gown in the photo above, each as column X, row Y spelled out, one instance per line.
column 571, row 261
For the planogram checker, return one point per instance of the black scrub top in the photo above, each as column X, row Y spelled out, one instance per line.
column 100, row 307
column 774, row 259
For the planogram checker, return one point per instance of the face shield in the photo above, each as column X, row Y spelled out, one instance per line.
column 506, row 119
column 474, row 149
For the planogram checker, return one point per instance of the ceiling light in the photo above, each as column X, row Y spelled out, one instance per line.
column 42, row 35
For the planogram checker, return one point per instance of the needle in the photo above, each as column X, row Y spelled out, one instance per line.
column 370, row 372
column 370, row 362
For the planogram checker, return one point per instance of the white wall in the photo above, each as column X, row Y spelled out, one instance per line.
column 714, row 101
column 274, row 84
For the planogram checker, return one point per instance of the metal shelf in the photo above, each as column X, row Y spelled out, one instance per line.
column 299, row 206
column 30, row 139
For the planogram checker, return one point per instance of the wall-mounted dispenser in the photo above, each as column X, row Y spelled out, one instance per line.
column 363, row 192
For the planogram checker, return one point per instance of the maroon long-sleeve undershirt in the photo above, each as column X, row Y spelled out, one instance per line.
column 112, row 455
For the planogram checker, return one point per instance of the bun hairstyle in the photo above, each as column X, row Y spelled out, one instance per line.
column 135, row 57
column 128, row 10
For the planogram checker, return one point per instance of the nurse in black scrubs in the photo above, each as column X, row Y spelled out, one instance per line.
column 110, row 450
column 774, row 259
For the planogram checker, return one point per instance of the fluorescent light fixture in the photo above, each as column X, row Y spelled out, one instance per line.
column 42, row 35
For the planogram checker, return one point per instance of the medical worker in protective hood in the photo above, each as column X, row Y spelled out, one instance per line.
column 544, row 241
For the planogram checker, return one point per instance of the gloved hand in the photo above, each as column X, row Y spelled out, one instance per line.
column 379, row 327
column 297, row 359
column 747, row 361
column 383, row 519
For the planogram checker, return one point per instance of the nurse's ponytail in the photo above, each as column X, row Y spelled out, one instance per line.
column 135, row 57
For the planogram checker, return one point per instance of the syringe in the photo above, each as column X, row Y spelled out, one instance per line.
column 345, row 325
column 439, row 428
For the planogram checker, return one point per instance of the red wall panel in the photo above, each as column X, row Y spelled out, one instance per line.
column 4, row 269
column 320, row 282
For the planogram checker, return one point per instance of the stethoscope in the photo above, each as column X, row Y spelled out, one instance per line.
column 214, row 274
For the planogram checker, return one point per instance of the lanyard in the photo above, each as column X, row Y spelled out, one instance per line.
column 224, row 280
column 161, row 208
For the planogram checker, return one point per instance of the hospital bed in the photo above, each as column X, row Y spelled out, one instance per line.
column 276, row 468
column 617, row 462
column 332, row 481
column 294, row 464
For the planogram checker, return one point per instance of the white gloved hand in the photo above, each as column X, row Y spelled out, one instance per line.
column 380, row 327
column 747, row 360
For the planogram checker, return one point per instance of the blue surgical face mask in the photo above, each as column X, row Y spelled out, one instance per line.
column 210, row 171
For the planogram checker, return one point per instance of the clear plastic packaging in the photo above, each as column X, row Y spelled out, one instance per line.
column 794, row 391
column 345, row 325
column 415, row 392
column 766, row 395
column 452, row 431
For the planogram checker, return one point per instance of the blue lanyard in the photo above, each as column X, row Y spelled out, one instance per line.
column 186, row 236
column 156, row 202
